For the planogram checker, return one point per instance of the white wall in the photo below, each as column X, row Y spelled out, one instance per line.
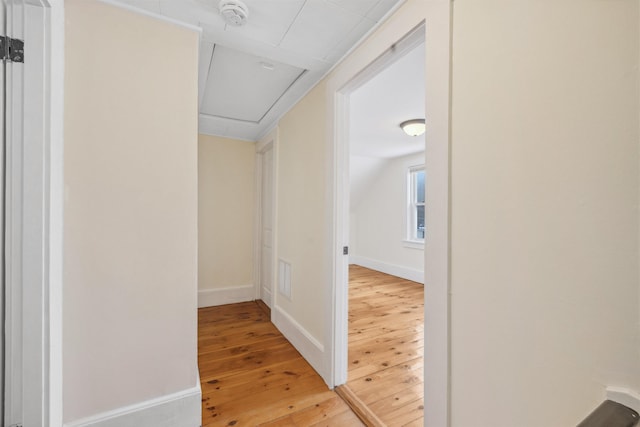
column 130, row 237
column 301, row 216
column 544, row 203
column 544, row 209
column 362, row 170
column 379, row 222
column 226, row 170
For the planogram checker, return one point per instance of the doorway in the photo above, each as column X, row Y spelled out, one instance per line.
column 342, row 194
column 435, row 32
column 265, row 219
column 386, row 245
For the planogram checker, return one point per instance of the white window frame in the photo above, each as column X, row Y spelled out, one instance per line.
column 411, row 239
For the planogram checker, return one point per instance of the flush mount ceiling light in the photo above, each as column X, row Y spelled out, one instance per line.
column 413, row 127
column 234, row 12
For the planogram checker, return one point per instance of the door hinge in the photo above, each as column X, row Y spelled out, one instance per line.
column 12, row 50
column 345, row 250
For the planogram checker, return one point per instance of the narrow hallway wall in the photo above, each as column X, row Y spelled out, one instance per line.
column 226, row 199
column 130, row 214
column 544, row 209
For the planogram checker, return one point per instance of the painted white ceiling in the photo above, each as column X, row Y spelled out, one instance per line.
column 250, row 75
column 378, row 107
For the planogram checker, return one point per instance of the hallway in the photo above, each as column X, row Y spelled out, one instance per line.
column 252, row 376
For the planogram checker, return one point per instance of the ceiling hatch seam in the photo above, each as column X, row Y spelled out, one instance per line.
column 293, row 21
column 283, row 94
column 206, row 83
column 268, row 110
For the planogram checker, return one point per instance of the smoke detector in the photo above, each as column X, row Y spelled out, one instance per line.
column 234, row 12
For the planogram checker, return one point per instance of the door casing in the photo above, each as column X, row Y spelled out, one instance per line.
column 34, row 129
column 433, row 19
column 269, row 143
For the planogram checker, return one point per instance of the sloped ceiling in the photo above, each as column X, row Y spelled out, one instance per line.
column 250, row 75
column 377, row 108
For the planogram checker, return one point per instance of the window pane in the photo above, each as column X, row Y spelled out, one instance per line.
column 420, row 186
column 420, row 222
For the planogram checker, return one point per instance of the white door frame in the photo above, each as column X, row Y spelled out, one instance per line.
column 268, row 142
column 34, row 224
column 14, row 347
column 55, row 111
column 2, row 221
column 342, row 111
column 436, row 30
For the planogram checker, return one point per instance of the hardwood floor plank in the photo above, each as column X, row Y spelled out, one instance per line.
column 358, row 334
column 396, row 400
column 368, row 417
column 344, row 419
column 415, row 423
column 230, row 388
column 251, row 410
column 232, row 351
column 264, row 307
column 251, row 375
column 388, row 387
column 379, row 348
column 253, row 360
column 235, row 327
column 412, row 367
column 383, row 361
column 386, row 324
column 329, row 411
column 369, row 346
column 405, row 414
column 280, row 422
column 249, row 335
column 324, row 411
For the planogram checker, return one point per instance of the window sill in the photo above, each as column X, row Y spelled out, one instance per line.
column 413, row 244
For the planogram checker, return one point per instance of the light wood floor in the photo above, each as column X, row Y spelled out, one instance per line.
column 386, row 323
column 252, row 376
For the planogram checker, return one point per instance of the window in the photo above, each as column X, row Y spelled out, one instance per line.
column 415, row 214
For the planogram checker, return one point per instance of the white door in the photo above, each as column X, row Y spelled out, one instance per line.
column 266, row 226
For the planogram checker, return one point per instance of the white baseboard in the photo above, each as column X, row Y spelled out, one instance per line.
column 213, row 297
column 181, row 409
column 392, row 269
column 302, row 340
column 624, row 396
column 266, row 298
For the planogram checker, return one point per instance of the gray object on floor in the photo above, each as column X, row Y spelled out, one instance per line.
column 611, row 414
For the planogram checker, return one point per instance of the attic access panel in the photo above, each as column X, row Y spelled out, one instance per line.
column 244, row 87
